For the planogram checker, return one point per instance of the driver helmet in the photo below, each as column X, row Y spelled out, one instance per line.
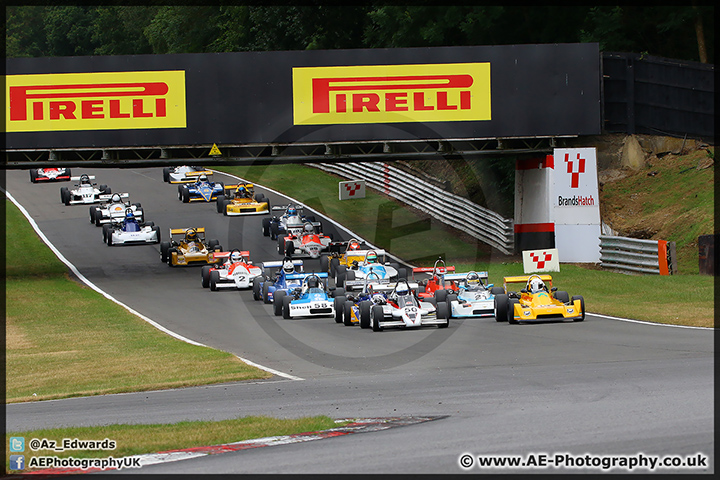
column 115, row 198
column 313, row 282
column 203, row 178
column 129, row 214
column 354, row 246
column 402, row 289
column 84, row 179
column 291, row 211
column 372, row 257
column 241, row 191
column 288, row 266
column 308, row 228
column 536, row 285
column 472, row 280
column 235, row 257
column 191, row 236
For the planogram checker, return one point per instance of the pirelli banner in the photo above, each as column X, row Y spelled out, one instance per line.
column 303, row 96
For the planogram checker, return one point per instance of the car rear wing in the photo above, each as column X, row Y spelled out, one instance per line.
column 462, row 276
column 285, row 207
column 181, row 231
column 363, row 282
column 440, row 270
column 304, row 275
column 379, row 287
column 222, row 255
column 524, row 278
column 77, row 178
column 279, row 263
column 249, row 186
column 197, row 173
column 108, row 196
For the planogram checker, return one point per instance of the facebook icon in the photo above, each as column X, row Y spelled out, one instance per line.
column 17, row 462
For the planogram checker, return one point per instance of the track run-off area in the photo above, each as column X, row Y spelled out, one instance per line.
column 602, row 388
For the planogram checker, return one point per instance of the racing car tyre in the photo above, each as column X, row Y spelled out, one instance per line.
column 166, row 174
column 562, row 296
column 256, row 287
column 290, row 249
column 349, row 275
column 105, row 232
column 324, row 263
column 286, row 307
column 497, row 290
column 137, row 205
column 347, row 313
column 339, row 304
column 92, row 214
column 214, row 279
column 212, row 244
column 148, row 224
column 104, row 189
column 281, row 245
column 443, row 311
column 582, row 307
column 33, row 175
column 338, row 292
column 274, row 230
column 501, row 303
column 440, row 295
column 65, row 195
column 266, row 292
column 164, row 248
column 340, row 271
column 205, row 276
column 511, row 311
column 376, row 315
column 109, row 237
column 266, row 227
column 364, row 314
column 278, row 297
column 333, row 264
column 259, row 197
column 184, row 194
column 219, row 203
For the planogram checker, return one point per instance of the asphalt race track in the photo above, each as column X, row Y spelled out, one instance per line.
column 600, row 387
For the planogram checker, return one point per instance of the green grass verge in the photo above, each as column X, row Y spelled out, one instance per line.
column 142, row 439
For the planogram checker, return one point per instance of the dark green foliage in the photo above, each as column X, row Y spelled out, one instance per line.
column 51, row 30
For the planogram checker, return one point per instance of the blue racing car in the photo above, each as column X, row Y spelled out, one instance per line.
column 203, row 190
column 311, row 299
column 286, row 277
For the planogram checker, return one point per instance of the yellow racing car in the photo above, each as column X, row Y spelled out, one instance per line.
column 188, row 246
column 538, row 300
column 241, row 199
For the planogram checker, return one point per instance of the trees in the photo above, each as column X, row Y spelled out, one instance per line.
column 683, row 32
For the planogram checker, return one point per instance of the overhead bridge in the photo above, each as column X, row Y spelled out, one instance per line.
column 277, row 153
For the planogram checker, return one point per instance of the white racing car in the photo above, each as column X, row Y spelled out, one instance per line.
column 403, row 309
column 474, row 298
column 236, row 271
column 114, row 210
column 184, row 174
column 85, row 191
column 362, row 264
column 129, row 231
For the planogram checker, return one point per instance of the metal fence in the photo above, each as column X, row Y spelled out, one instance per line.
column 643, row 256
column 458, row 212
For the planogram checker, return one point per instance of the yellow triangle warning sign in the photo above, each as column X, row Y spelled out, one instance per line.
column 215, row 150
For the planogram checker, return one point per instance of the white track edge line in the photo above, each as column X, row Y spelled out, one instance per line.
column 87, row 282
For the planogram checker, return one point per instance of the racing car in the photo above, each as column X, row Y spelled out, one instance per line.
column 114, row 210
column 85, row 191
column 203, row 190
column 472, row 296
column 184, row 174
column 310, row 299
column 310, row 242
column 236, row 271
column 130, row 231
column 337, row 253
column 437, row 281
column 402, row 308
column 49, row 174
column 287, row 276
column 191, row 249
column 241, row 199
column 360, row 263
column 357, row 305
column 291, row 222
column 536, row 301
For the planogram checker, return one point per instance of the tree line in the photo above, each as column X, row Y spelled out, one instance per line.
column 680, row 32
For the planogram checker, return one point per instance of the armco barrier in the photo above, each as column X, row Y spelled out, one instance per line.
column 458, row 212
column 644, row 256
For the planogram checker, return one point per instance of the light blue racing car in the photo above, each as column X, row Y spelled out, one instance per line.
column 473, row 299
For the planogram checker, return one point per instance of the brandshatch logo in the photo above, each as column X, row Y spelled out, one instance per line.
column 574, row 169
